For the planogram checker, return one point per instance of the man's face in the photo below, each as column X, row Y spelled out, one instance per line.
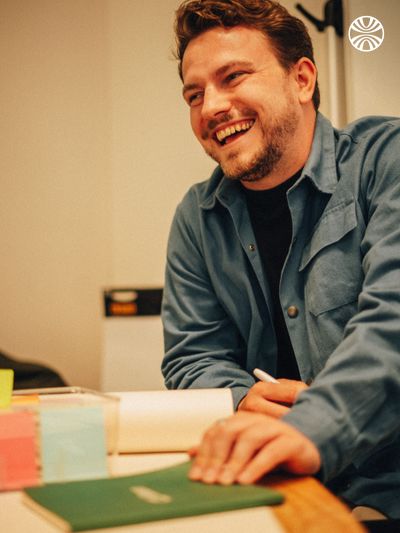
column 243, row 105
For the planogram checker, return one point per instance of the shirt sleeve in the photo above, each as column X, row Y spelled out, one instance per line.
column 203, row 348
column 351, row 410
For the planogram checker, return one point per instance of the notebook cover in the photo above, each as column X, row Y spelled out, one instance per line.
column 158, row 495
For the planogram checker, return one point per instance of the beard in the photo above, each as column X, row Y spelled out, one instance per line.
column 276, row 140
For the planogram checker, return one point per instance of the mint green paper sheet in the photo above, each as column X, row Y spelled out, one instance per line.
column 73, row 444
column 158, row 495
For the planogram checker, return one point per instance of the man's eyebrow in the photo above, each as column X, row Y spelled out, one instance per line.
column 220, row 72
column 190, row 87
column 232, row 65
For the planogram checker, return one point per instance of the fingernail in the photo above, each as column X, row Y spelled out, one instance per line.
column 244, row 479
column 210, row 475
column 195, row 473
column 227, row 477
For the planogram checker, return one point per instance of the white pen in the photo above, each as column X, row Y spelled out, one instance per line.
column 264, row 376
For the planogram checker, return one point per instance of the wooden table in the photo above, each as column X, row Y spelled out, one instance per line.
column 308, row 508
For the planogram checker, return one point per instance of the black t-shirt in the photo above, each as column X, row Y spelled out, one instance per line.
column 272, row 226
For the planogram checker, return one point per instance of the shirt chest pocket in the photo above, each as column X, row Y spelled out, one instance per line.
column 331, row 261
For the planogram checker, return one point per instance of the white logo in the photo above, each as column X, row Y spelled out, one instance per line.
column 149, row 495
column 366, row 33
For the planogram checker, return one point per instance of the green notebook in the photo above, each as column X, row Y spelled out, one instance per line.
column 159, row 495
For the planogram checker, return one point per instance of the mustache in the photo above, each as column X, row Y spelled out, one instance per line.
column 213, row 123
column 225, row 117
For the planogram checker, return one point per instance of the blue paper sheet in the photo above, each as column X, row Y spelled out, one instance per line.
column 73, row 444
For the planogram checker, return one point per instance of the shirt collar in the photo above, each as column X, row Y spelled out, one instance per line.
column 320, row 166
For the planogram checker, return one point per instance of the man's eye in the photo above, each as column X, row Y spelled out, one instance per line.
column 233, row 76
column 194, row 99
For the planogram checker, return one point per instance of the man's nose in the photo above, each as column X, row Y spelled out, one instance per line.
column 214, row 102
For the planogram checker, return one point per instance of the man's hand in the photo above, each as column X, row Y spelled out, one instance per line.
column 273, row 399
column 246, row 446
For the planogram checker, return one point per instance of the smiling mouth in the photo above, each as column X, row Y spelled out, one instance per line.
column 230, row 133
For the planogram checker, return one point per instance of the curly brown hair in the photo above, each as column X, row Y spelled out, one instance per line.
column 287, row 34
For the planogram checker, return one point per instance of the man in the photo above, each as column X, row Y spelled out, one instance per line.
column 286, row 259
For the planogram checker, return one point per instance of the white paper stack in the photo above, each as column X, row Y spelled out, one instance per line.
column 168, row 421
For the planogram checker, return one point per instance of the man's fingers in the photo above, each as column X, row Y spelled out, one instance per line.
column 288, row 449
column 258, row 404
column 249, row 442
column 214, row 450
column 273, row 399
column 271, row 455
column 286, row 391
column 247, row 445
column 293, row 388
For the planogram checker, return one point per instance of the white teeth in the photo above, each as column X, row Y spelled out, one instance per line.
column 230, row 130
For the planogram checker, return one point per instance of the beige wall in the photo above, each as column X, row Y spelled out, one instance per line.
column 154, row 156
column 55, row 182
column 94, row 156
column 373, row 78
column 96, row 152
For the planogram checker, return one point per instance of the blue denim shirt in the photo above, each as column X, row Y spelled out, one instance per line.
column 342, row 272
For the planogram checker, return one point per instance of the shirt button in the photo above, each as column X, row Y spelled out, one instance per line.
column 292, row 311
column 252, row 247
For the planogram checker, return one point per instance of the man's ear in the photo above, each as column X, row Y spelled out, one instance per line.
column 305, row 73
